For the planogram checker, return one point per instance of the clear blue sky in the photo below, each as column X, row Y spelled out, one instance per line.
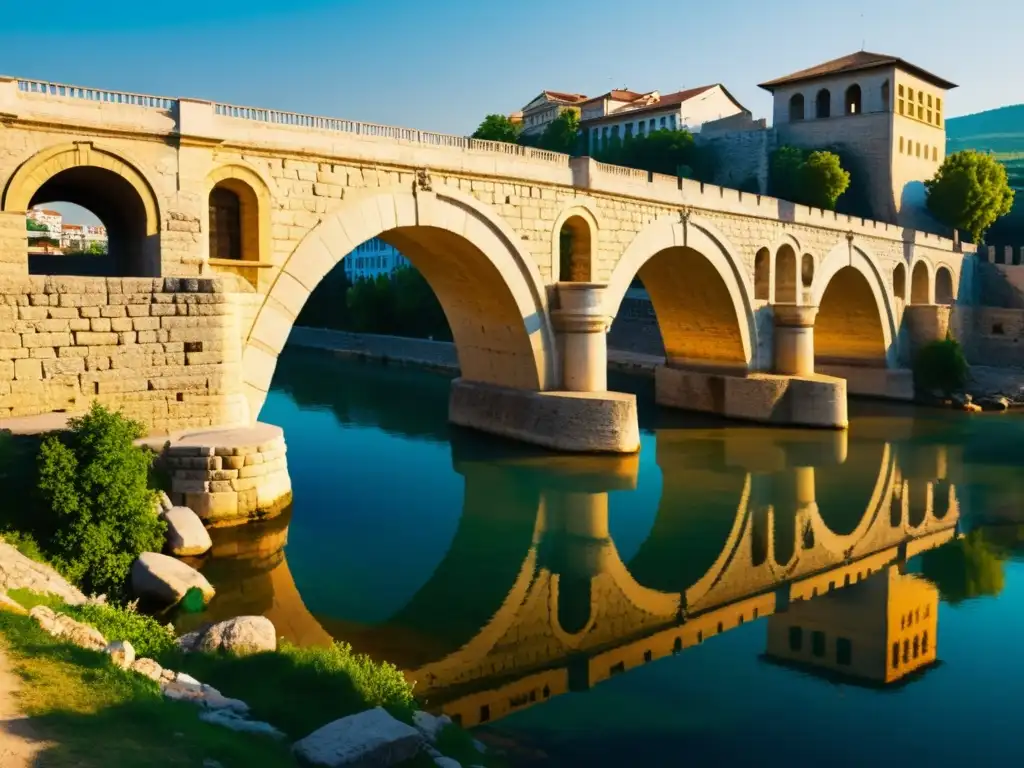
column 443, row 64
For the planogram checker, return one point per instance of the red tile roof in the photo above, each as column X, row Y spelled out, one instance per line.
column 666, row 100
column 570, row 97
column 855, row 62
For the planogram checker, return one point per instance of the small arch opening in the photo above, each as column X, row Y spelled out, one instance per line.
column 796, row 107
column 807, row 270
column 899, row 282
column 574, row 251
column 852, row 100
column 762, row 275
column 919, row 293
column 785, row 275
column 823, row 104
column 943, row 286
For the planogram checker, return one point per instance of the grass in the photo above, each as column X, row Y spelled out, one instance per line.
column 97, row 715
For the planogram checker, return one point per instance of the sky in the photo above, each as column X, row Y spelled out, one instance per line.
column 442, row 65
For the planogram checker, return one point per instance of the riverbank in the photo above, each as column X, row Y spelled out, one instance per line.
column 985, row 381
column 429, row 354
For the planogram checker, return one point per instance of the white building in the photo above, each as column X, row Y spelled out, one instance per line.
column 536, row 115
column 52, row 220
column 372, row 259
column 77, row 237
column 621, row 114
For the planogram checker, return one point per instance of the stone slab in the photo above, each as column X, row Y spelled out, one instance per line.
column 818, row 401
column 370, row 738
column 575, row 422
column 863, row 381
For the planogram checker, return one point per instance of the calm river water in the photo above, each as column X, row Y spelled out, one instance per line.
column 732, row 595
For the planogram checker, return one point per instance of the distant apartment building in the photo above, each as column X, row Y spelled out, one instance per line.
column 620, row 114
column 78, row 237
column 372, row 259
column 536, row 115
column 52, row 220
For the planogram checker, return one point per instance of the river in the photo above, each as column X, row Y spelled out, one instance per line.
column 731, row 595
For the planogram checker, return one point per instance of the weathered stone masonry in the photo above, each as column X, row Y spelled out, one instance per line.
column 165, row 350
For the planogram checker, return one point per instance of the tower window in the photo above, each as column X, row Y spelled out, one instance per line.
column 796, row 107
column 823, row 104
column 818, row 644
column 852, row 100
column 844, row 651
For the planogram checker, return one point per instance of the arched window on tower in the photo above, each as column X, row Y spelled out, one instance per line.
column 885, row 96
column 823, row 104
column 796, row 107
column 853, row 100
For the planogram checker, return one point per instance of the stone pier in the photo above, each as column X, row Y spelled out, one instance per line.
column 230, row 476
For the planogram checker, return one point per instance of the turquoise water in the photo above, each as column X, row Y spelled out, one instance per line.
column 732, row 595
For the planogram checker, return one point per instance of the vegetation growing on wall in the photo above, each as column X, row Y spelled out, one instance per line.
column 672, row 152
column 970, row 192
column 807, row 177
column 497, row 128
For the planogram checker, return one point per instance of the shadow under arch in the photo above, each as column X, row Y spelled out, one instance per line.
column 491, row 291
column 856, row 322
column 108, row 185
column 699, row 292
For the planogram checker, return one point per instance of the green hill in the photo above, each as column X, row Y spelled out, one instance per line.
column 1000, row 131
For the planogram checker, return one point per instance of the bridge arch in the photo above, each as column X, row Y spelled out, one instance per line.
column 492, row 293
column 856, row 322
column 921, row 282
column 254, row 199
column 698, row 288
column 576, row 264
column 104, row 182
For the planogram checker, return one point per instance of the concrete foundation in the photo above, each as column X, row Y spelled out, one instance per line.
column 888, row 383
column 230, row 476
column 580, row 422
column 812, row 401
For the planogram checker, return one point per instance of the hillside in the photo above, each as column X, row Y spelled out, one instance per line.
column 1000, row 131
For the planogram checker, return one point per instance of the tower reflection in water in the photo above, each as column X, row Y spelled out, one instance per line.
column 808, row 531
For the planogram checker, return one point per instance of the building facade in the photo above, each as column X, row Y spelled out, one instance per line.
column 886, row 113
column 79, row 237
column 372, row 259
column 536, row 115
column 52, row 220
column 623, row 114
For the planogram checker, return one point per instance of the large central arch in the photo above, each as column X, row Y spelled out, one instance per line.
column 491, row 291
column 698, row 290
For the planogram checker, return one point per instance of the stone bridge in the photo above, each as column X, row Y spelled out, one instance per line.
column 548, row 604
column 768, row 310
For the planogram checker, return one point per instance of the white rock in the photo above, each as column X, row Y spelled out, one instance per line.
column 163, row 502
column 429, row 725
column 74, row 632
column 165, row 579
column 148, row 668
column 242, row 635
column 205, row 696
column 44, row 616
column 229, row 719
column 446, row 762
column 182, row 677
column 368, row 738
column 186, row 534
column 122, row 653
column 188, row 641
column 19, row 572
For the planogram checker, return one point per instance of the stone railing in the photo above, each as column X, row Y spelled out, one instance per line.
column 1010, row 255
column 95, row 94
column 209, row 119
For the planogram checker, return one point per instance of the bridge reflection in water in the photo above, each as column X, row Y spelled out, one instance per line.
column 533, row 598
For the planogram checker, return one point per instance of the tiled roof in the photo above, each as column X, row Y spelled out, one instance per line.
column 570, row 97
column 855, row 62
column 666, row 100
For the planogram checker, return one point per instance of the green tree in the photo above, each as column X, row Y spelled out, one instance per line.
column 497, row 128
column 970, row 192
column 327, row 306
column 672, row 152
column 94, row 481
column 562, row 134
column 965, row 568
column 814, row 178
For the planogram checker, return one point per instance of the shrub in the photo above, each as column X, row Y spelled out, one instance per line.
column 814, row 178
column 970, row 191
column 941, row 365
column 147, row 635
column 94, row 481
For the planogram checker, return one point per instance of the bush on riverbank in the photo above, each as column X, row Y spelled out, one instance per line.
column 83, row 499
column 941, row 366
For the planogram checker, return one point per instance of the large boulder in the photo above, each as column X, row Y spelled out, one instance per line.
column 165, row 579
column 242, row 635
column 186, row 534
column 121, row 653
column 368, row 738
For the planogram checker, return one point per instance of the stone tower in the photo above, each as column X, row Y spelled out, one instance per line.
column 886, row 114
